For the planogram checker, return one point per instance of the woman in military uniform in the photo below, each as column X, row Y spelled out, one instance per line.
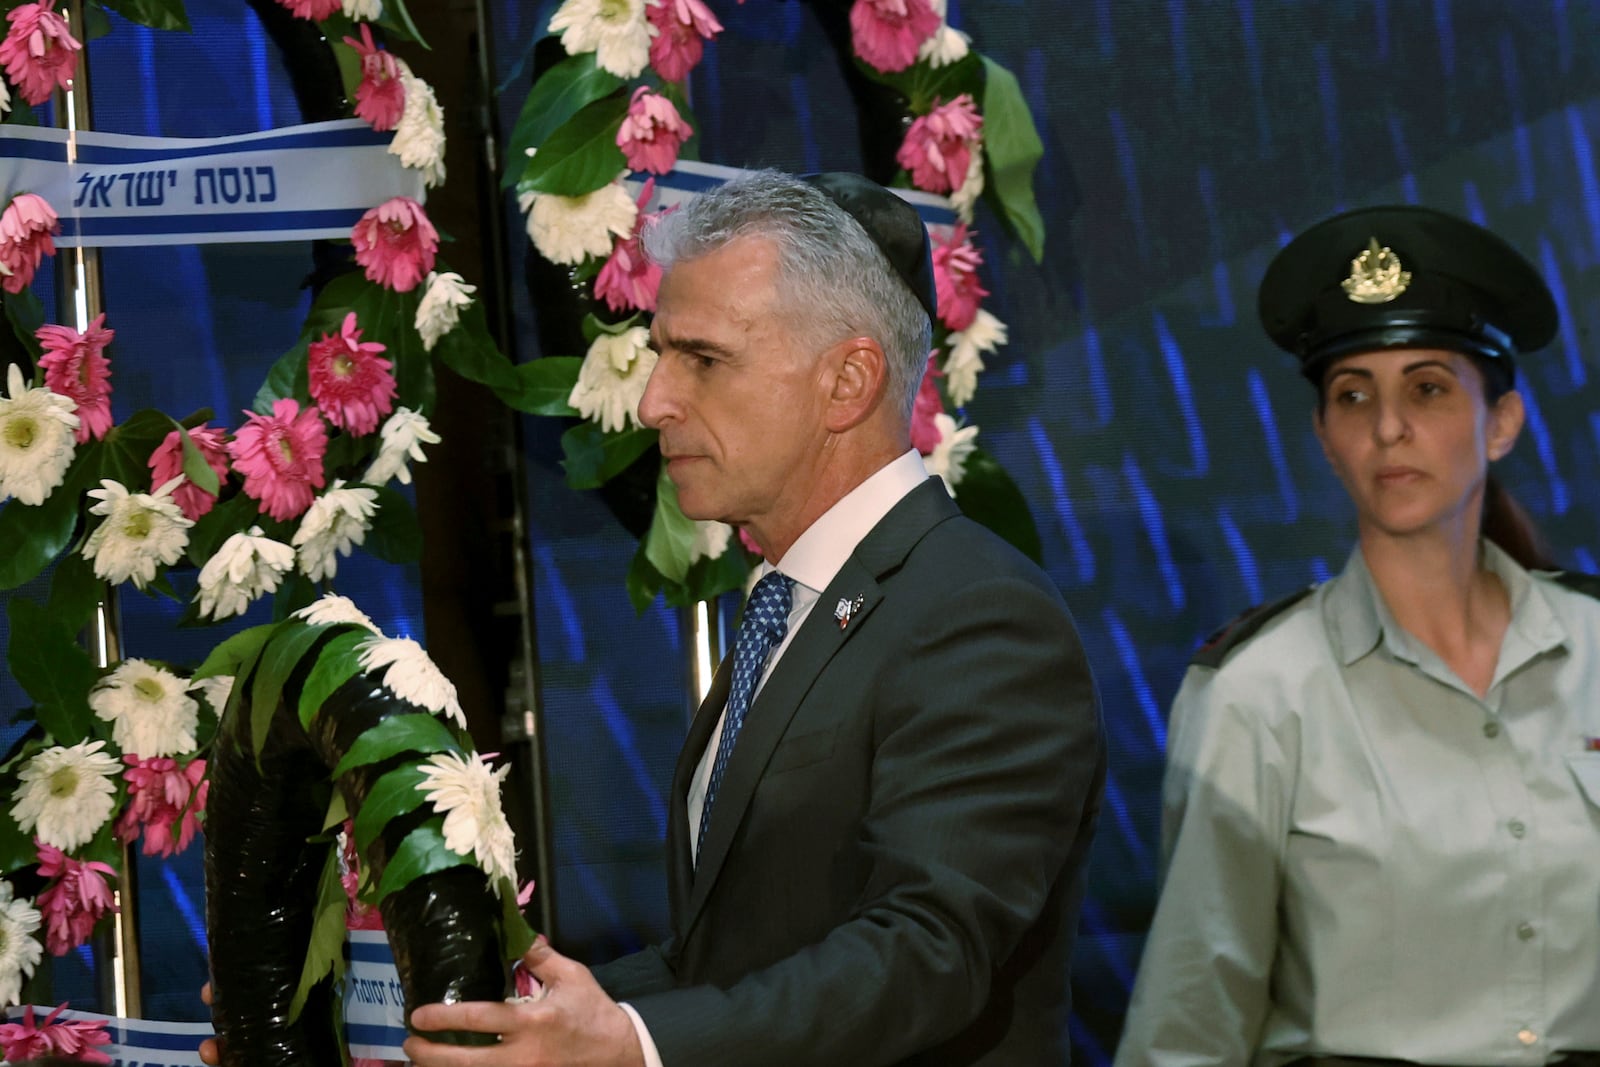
column 1382, row 802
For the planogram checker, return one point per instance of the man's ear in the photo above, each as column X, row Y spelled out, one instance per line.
column 859, row 379
column 1506, row 417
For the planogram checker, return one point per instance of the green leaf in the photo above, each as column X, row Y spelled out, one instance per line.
column 1012, row 149
column 399, row 733
column 336, row 814
column 294, row 592
column 988, row 496
column 26, row 314
column 47, row 661
column 157, row 14
column 288, row 379
column 391, row 796
column 594, row 457
column 220, row 523
column 397, row 19
column 924, row 85
column 282, row 654
column 17, row 849
column 195, row 467
column 422, row 852
column 708, row 578
column 74, row 592
column 643, row 581
column 671, row 534
column 395, row 535
column 516, row 936
column 337, row 663
column 125, row 452
column 545, row 385
column 582, row 155
column 471, row 352
column 230, row 655
column 325, row 953
column 104, row 847
column 30, row 537
column 561, row 92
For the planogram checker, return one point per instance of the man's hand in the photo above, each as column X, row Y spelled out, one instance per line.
column 572, row 1024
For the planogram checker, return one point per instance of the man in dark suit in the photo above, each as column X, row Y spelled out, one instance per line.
column 879, row 858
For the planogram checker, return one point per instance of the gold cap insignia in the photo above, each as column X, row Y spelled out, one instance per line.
column 1376, row 276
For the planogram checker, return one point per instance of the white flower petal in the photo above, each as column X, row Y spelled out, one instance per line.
column 36, row 440
column 467, row 793
column 332, row 609
column 65, row 794
column 402, row 438
column 20, row 950
column 411, row 675
column 612, row 379
column 569, row 229
column 440, row 310
column 150, row 710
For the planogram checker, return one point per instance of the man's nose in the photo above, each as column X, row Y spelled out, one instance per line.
column 656, row 405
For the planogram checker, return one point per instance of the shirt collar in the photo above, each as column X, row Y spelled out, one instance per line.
column 817, row 554
column 1358, row 619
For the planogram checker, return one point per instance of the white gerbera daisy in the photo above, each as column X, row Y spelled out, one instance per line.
column 616, row 31
column 949, row 457
column 362, row 10
column 335, row 523
column 150, row 710
column 402, row 438
column 142, row 532
column 710, row 540
column 966, row 197
column 447, row 296
column 65, row 794
column 20, row 950
column 332, row 609
column 36, row 439
column 419, row 135
column 947, row 45
column 569, row 229
column 613, row 376
column 246, row 566
column 467, row 793
column 965, row 360
column 216, row 690
column 412, row 676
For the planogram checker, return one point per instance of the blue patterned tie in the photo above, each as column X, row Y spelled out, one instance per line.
column 765, row 621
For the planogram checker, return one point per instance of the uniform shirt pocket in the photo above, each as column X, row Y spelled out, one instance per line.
column 1586, row 769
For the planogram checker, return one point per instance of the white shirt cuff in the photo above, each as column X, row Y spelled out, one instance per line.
column 652, row 1058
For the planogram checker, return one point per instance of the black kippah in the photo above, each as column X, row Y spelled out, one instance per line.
column 894, row 226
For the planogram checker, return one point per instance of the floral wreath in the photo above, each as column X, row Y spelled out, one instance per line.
column 615, row 108
column 119, row 754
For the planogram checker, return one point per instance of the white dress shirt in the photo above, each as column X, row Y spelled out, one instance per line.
column 812, row 561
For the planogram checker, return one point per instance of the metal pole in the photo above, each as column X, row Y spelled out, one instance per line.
column 82, row 297
column 705, row 641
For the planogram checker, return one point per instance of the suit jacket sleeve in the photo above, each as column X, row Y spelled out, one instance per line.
column 985, row 771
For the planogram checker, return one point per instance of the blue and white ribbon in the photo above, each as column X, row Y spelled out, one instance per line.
column 279, row 185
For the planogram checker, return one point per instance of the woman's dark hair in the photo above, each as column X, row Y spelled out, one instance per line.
column 1504, row 521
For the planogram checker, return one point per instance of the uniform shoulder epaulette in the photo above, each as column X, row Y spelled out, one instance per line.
column 1579, row 582
column 1214, row 649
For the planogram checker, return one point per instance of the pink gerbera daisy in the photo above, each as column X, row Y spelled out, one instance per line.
column 955, row 279
column 925, row 433
column 166, row 463
column 75, row 901
column 352, row 384
column 888, row 33
column 280, row 456
column 38, row 52
column 380, row 98
column 396, row 243
column 25, row 230
column 165, row 802
column 652, row 132
column 938, row 146
column 75, row 366
column 69, row 1039
column 315, row 10
column 682, row 29
column 629, row 279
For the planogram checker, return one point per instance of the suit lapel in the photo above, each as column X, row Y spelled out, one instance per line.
column 680, row 865
column 818, row 640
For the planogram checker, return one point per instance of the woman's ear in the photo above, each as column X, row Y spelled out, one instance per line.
column 1506, row 417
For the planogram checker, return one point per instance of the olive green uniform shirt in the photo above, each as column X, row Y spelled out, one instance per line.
column 1363, row 858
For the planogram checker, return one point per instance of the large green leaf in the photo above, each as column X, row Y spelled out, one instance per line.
column 988, row 496
column 391, row 796
column 396, row 734
column 470, row 351
column 232, row 654
column 157, row 14
column 47, row 661
column 26, row 314
column 1012, row 148
column 395, row 536
column 220, row 523
column 561, row 92
column 337, row 663
column 17, row 849
column 671, row 533
column 516, row 936
column 924, row 85
column 195, row 467
column 422, row 852
column 74, row 592
column 125, row 452
column 546, row 384
column 582, row 155
column 325, row 953
column 397, row 20
column 282, row 654
column 32, row 536
column 390, row 317
column 594, row 457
